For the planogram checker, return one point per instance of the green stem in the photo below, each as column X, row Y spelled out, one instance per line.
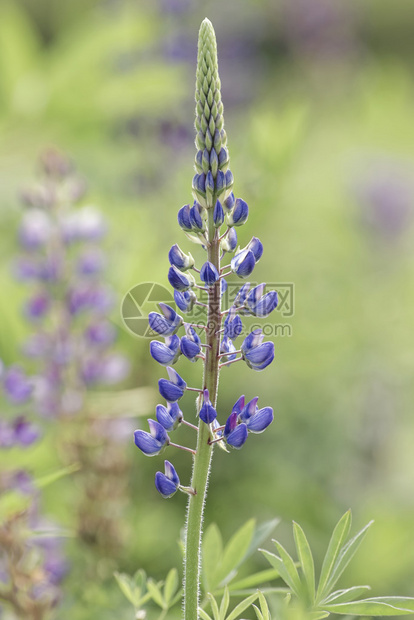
column 202, row 460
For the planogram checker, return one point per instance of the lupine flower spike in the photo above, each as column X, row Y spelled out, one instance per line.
column 210, row 222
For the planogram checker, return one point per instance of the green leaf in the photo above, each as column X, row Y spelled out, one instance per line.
column 261, row 533
column 242, row 606
column 224, row 604
column 126, row 586
column 255, row 580
column 258, row 613
column 278, row 564
column 44, row 481
column 235, row 551
column 214, row 606
column 335, row 544
column 306, row 560
column 290, row 568
column 203, row 614
column 264, row 607
column 343, row 596
column 170, row 587
column 133, row 588
column 155, row 590
column 345, row 556
column 212, row 554
column 378, row 606
column 318, row 615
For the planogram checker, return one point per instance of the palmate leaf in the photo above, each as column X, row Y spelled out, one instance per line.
column 220, row 564
column 241, row 607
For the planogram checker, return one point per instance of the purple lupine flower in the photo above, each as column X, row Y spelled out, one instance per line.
column 35, row 230
column 207, row 412
column 196, row 216
column 90, row 262
column 190, row 343
column 25, row 432
column 154, row 442
column 229, row 203
column 261, row 305
column 209, row 274
column 256, row 353
column 180, row 281
column 166, row 324
column 170, row 416
column 229, row 243
column 38, row 306
column 17, row 386
column 238, row 216
column 168, row 353
column 233, row 325
column 185, row 300
column 172, row 389
column 218, row 214
column 256, row 246
column 242, row 295
column 100, row 333
column 184, row 219
column 235, row 434
column 168, row 483
column 180, row 260
column 243, row 263
column 227, row 346
column 256, row 420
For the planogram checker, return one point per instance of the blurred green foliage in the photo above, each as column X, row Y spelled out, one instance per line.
column 111, row 83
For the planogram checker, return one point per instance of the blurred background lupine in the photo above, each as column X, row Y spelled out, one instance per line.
column 62, row 260
column 32, row 560
column 106, row 81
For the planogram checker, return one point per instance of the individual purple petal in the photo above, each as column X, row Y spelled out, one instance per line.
column 178, row 280
column 164, row 485
column 207, row 412
column 185, row 300
column 170, row 416
column 184, row 219
column 238, row 405
column 154, row 442
column 166, row 323
column 168, row 353
column 253, row 340
column 239, row 214
column 209, row 274
column 229, row 242
column 243, row 263
column 179, row 259
column 260, row 420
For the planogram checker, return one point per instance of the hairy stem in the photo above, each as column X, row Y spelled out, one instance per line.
column 202, row 460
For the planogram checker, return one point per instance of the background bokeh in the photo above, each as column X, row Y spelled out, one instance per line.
column 318, row 98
